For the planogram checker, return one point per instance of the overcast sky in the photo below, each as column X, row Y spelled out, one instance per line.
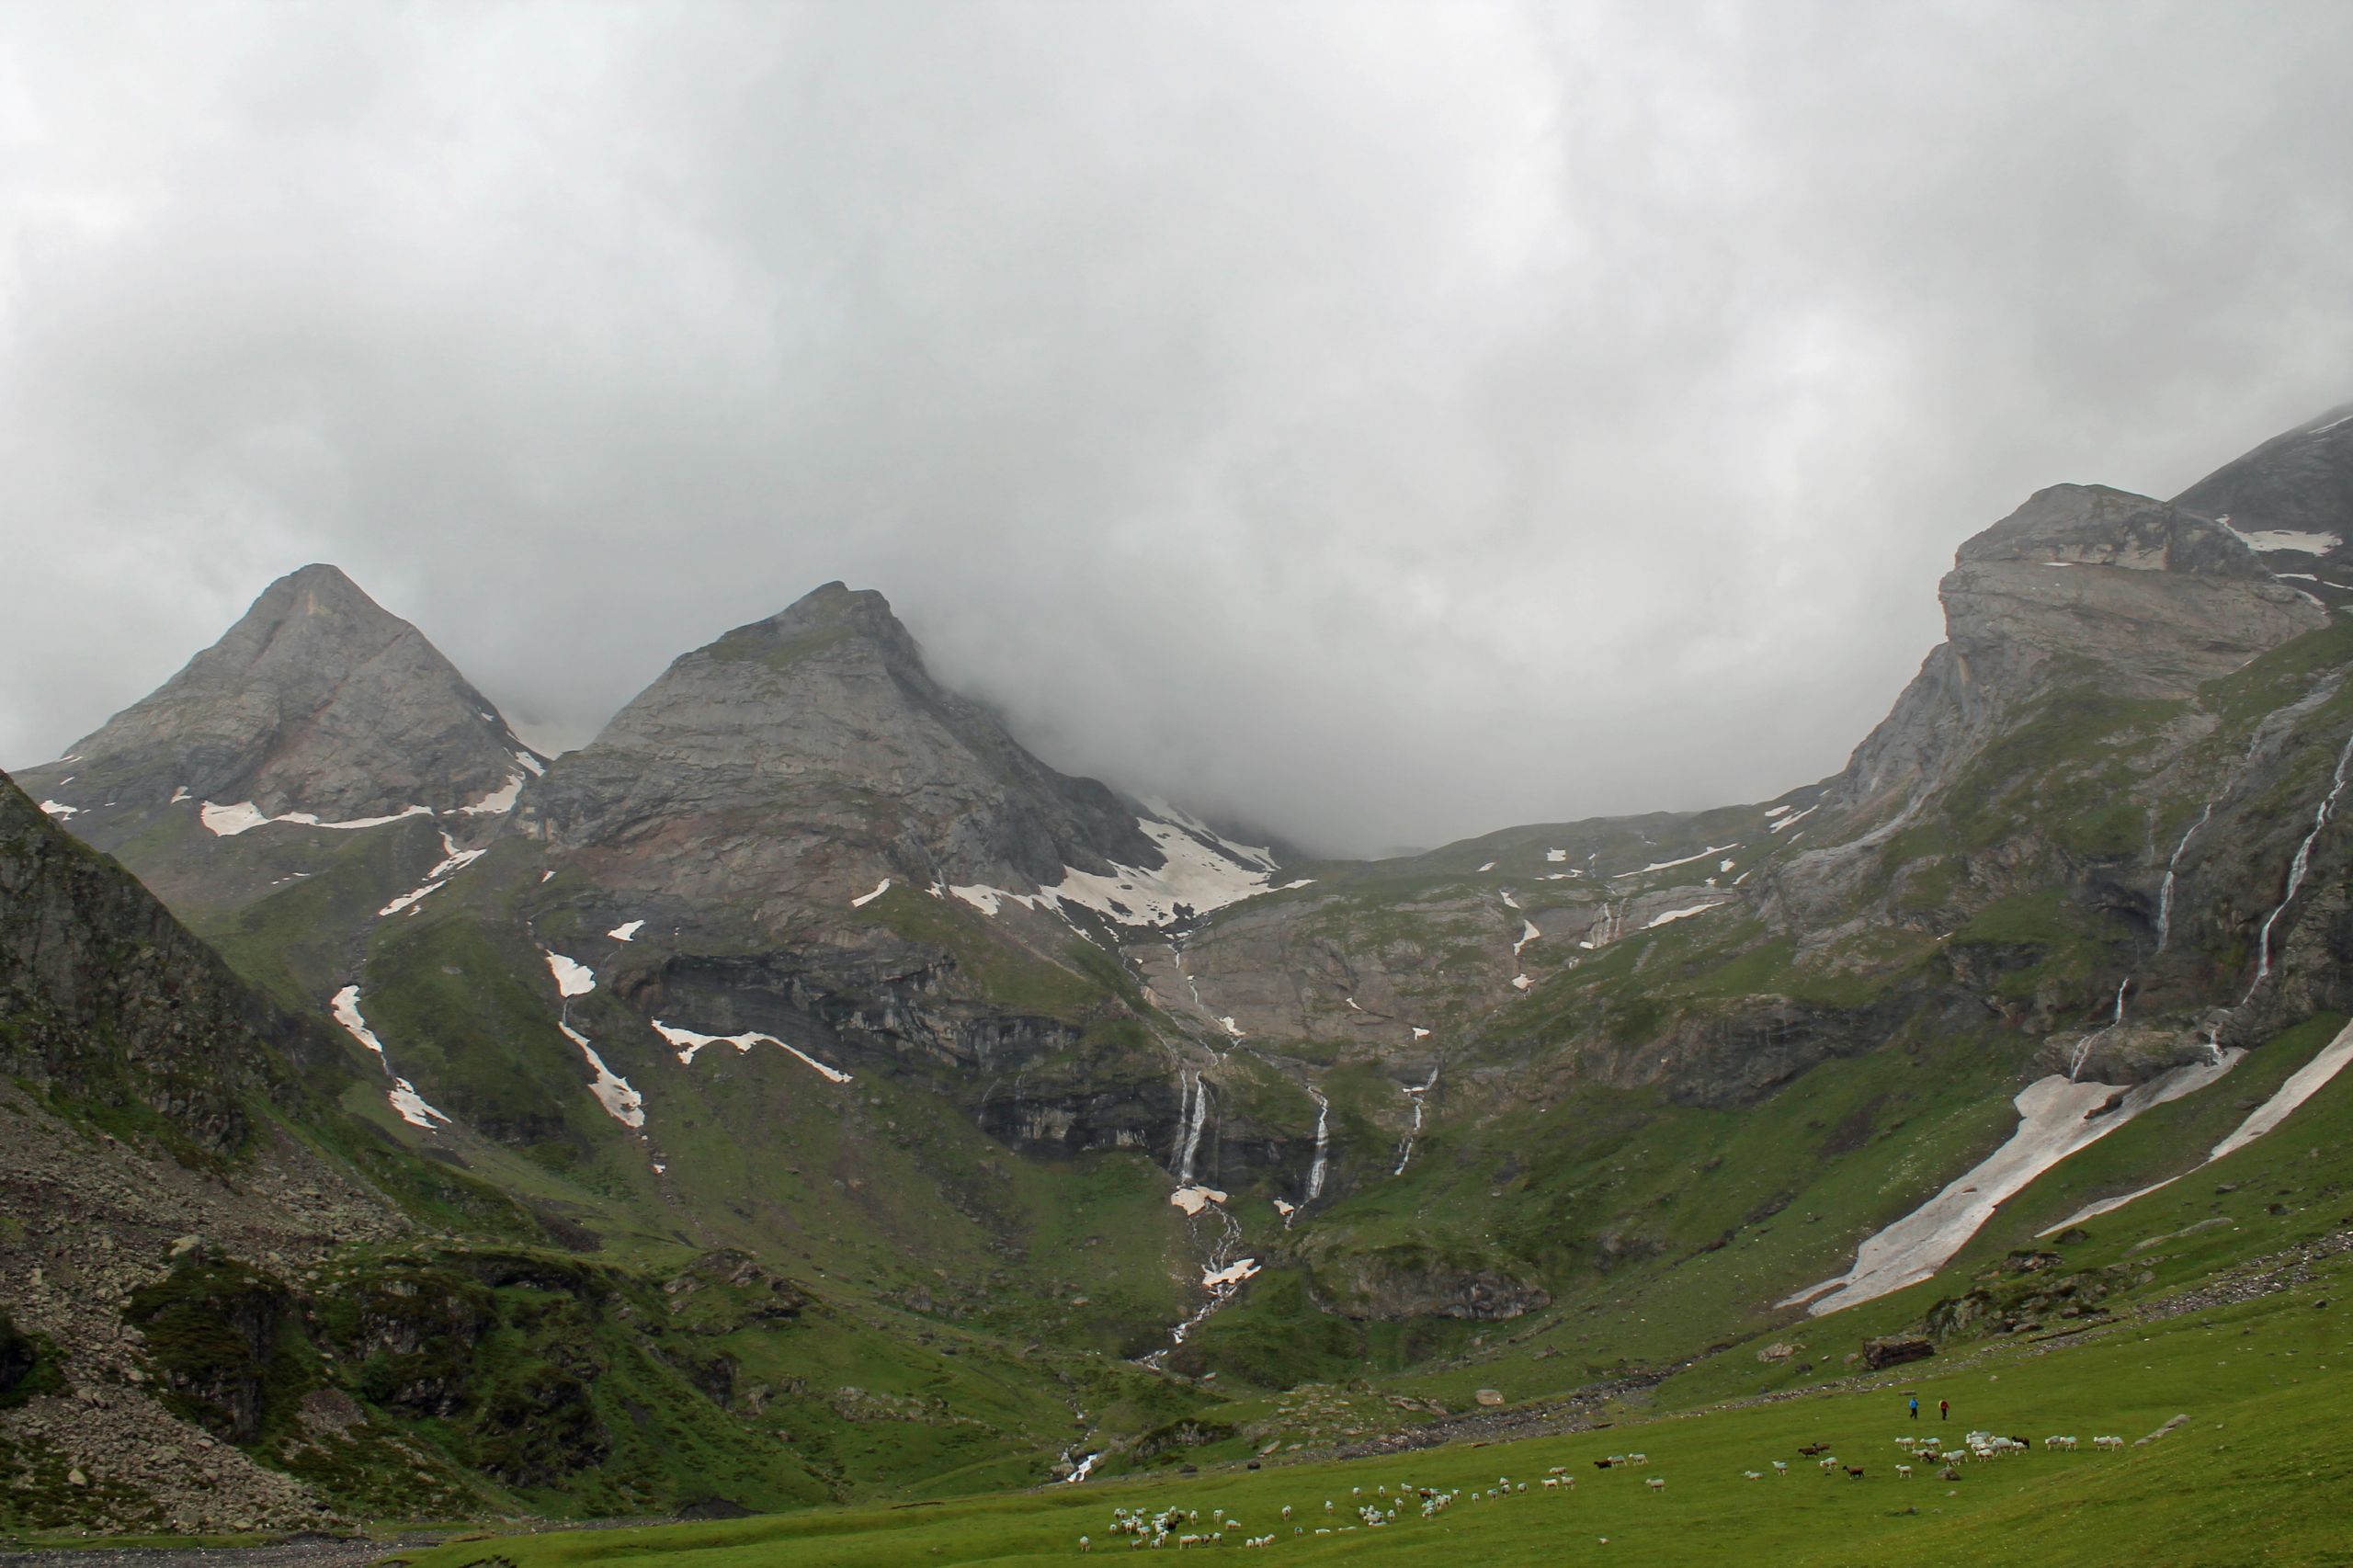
column 1385, row 422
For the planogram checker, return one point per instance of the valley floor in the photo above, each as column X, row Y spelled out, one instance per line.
column 2253, row 1472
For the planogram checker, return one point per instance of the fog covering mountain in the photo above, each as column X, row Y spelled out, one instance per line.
column 1271, row 410
column 804, row 1020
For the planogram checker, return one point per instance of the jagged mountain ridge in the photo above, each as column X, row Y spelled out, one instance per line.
column 1970, row 901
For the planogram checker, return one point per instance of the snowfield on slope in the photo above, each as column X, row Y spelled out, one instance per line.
column 686, row 1042
column 2056, row 1117
column 1197, row 877
column 227, row 821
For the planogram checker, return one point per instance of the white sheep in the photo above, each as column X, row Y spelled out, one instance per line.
column 1656, row 1484
column 1904, row 1472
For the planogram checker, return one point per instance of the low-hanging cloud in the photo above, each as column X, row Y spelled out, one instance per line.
column 1381, row 422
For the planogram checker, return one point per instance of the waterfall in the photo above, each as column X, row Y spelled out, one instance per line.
column 1194, row 1111
column 1322, row 1149
column 2165, row 891
column 1405, row 1150
column 2084, row 1046
column 2297, row 868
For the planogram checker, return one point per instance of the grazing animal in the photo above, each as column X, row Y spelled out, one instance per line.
column 1829, row 1464
column 1085, row 1544
column 2107, row 1442
column 1948, row 1473
column 1810, row 1449
column 1601, row 1464
column 1638, row 1458
column 1904, row 1472
column 1752, row 1475
column 1854, row 1472
column 1656, row 1484
column 1781, row 1467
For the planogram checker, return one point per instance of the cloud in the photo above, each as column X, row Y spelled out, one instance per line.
column 1385, row 423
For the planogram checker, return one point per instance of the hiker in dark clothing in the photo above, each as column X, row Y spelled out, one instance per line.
column 1944, row 1410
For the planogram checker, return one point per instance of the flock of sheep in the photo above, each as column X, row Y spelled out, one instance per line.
column 1184, row 1528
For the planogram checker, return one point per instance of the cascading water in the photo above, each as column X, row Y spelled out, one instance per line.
column 1405, row 1150
column 2084, row 1046
column 2165, row 891
column 2296, row 869
column 1323, row 1148
column 1194, row 1111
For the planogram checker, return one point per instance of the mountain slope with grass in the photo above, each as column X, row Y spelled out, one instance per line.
column 1101, row 1143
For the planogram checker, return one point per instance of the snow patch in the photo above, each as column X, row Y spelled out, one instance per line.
column 1420, row 1033
column 1556, row 856
column 572, row 977
column 1233, row 1274
column 529, row 763
column 346, row 1008
column 626, row 931
column 624, row 1104
column 1794, row 821
column 2270, row 540
column 686, row 1042
column 862, row 900
column 1672, row 915
column 1528, row 933
column 1509, row 901
column 2055, row 1119
column 178, row 796
column 1668, row 865
column 1193, row 1199
column 227, row 821
column 2301, row 1085
column 412, row 1106
column 1488, row 867
column 59, row 809
column 1521, row 982
column 499, row 802
column 454, row 861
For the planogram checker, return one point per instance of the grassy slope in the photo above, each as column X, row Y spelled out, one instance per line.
column 2251, row 1477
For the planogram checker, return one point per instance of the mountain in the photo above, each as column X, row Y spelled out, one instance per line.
column 1044, row 1105
column 316, row 707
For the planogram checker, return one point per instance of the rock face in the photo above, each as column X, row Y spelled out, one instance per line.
column 105, row 998
column 808, row 756
column 2154, row 598
column 318, row 701
column 2300, row 483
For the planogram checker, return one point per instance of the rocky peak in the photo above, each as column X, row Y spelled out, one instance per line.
column 2081, row 580
column 2290, row 496
column 811, row 753
column 318, row 700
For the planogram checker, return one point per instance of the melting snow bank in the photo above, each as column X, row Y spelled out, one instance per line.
column 346, row 1012
column 1079, row 1472
column 456, row 861
column 1193, row 1199
column 862, row 900
column 403, row 1095
column 499, row 802
column 1199, row 872
column 1670, row 916
column 58, row 809
column 571, row 978
column 2057, row 1117
column 627, row 932
column 2304, row 1083
column 2301, row 1085
column 227, row 821
column 1794, row 821
column 624, row 1104
column 1233, row 1274
column 686, row 1042
column 1667, row 865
